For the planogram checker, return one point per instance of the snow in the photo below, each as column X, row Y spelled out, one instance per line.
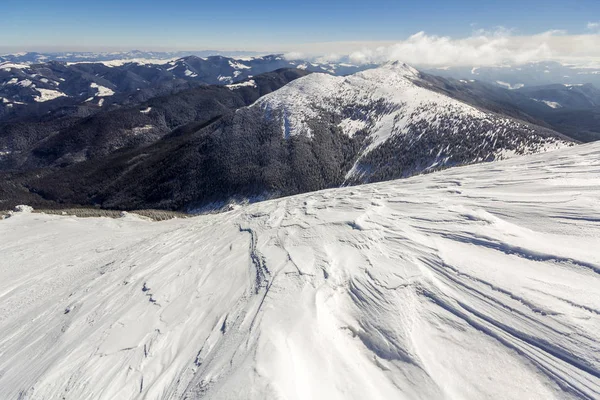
column 119, row 63
column 146, row 110
column 10, row 104
column 250, row 83
column 350, row 126
column 142, row 129
column 222, row 78
column 101, row 90
column 510, row 86
column 190, row 74
column 22, row 208
column 101, row 102
column 476, row 282
column 8, row 65
column 48, row 94
column 238, row 65
column 25, row 83
column 551, row 104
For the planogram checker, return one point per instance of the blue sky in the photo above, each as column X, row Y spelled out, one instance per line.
column 270, row 24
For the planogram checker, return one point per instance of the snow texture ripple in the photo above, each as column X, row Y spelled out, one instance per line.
column 475, row 282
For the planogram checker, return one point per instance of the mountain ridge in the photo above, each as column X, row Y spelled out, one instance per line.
column 316, row 132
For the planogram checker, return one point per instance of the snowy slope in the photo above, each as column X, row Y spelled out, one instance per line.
column 471, row 283
column 393, row 108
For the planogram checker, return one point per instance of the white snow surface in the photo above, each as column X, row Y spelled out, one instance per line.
column 48, row 94
column 249, row 83
column 551, row 104
column 25, row 83
column 238, row 65
column 102, row 91
column 510, row 86
column 477, row 282
column 118, row 63
column 9, row 65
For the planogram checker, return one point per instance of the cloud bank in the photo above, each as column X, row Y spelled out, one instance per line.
column 483, row 48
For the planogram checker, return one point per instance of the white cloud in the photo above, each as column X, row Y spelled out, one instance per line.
column 295, row 55
column 482, row 48
column 593, row 26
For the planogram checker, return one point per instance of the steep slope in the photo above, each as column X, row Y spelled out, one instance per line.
column 474, row 282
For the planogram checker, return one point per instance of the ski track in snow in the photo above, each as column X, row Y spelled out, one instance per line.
column 475, row 282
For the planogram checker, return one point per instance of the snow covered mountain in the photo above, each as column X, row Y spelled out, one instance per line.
column 223, row 70
column 29, row 88
column 316, row 132
column 474, row 282
column 408, row 128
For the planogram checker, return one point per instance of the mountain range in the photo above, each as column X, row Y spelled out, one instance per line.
column 33, row 89
column 372, row 231
column 196, row 133
column 522, row 75
column 314, row 132
column 133, row 55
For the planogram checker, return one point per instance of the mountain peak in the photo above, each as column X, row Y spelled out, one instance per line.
column 400, row 67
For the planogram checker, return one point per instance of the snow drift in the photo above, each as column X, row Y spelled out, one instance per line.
column 475, row 282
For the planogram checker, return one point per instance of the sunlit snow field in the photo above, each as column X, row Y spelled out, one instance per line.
column 472, row 283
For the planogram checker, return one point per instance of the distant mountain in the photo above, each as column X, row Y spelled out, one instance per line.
column 223, row 70
column 74, row 56
column 569, row 109
column 316, row 132
column 33, row 90
column 582, row 96
column 518, row 76
column 68, row 140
